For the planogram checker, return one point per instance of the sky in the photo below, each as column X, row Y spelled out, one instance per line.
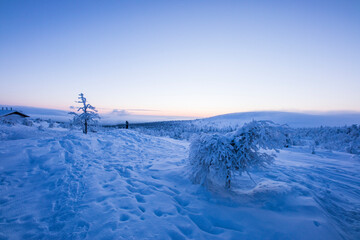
column 181, row 58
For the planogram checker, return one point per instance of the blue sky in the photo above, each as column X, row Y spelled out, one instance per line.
column 184, row 58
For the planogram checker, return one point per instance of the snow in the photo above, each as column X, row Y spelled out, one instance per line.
column 292, row 119
column 121, row 184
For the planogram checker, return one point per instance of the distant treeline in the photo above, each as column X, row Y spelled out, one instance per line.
column 344, row 139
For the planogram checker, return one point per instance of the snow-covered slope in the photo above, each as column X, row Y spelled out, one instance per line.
column 290, row 118
column 125, row 185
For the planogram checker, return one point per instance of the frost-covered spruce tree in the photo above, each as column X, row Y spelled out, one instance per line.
column 220, row 156
column 87, row 116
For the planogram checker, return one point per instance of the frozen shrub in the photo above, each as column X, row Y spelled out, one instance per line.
column 7, row 122
column 38, row 120
column 354, row 146
column 219, row 157
column 27, row 122
column 312, row 148
column 51, row 123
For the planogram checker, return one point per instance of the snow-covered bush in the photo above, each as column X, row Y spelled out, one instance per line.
column 312, row 148
column 51, row 123
column 27, row 122
column 215, row 157
column 8, row 122
column 38, row 120
column 88, row 116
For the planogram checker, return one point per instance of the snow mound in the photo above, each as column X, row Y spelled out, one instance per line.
column 270, row 188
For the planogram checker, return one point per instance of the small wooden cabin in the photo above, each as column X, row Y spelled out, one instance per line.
column 12, row 115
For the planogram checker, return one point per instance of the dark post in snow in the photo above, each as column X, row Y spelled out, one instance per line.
column 126, row 124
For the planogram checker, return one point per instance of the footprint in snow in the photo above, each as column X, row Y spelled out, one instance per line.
column 83, row 225
column 148, row 166
column 124, row 217
column 186, row 230
column 174, row 190
column 140, row 198
column 175, row 235
column 316, row 223
column 181, row 201
column 158, row 212
column 111, row 225
column 204, row 224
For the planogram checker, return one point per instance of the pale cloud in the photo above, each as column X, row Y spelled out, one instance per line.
column 119, row 112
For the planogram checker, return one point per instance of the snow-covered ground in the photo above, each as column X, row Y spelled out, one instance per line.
column 121, row 184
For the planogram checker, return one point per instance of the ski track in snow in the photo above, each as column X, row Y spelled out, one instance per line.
column 125, row 185
column 333, row 180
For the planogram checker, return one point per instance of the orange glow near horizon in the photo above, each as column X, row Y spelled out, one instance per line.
column 166, row 113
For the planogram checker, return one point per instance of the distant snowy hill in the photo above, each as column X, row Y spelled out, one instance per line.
column 232, row 119
column 290, row 118
column 44, row 113
column 115, row 117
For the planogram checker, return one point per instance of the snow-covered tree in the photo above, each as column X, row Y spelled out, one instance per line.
column 220, row 156
column 27, row 122
column 87, row 116
column 345, row 139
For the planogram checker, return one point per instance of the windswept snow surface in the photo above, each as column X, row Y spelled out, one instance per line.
column 125, row 185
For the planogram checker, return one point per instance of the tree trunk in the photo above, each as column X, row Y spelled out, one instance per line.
column 85, row 129
column 228, row 178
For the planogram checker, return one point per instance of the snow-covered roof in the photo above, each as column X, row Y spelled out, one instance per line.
column 4, row 113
